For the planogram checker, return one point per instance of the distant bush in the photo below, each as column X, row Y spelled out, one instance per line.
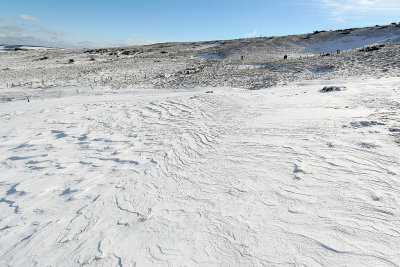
column 371, row 48
column 327, row 89
column 96, row 51
column 347, row 31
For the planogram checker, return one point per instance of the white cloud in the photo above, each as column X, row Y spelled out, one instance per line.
column 90, row 44
column 343, row 9
column 28, row 17
column 12, row 30
column 55, row 35
column 6, row 19
column 251, row 34
column 26, row 35
column 134, row 39
column 40, row 36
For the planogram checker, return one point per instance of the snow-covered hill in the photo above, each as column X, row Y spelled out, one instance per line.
column 351, row 39
column 160, row 155
column 247, row 63
column 22, row 48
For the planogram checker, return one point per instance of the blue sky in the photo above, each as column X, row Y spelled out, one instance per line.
column 98, row 23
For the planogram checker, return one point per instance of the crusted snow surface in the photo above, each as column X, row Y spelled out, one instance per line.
column 281, row 176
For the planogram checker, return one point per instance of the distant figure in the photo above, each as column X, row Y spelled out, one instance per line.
column 338, row 51
column 241, row 57
column 284, row 57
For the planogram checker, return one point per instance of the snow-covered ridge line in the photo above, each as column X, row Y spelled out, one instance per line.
column 354, row 37
column 249, row 63
column 23, row 48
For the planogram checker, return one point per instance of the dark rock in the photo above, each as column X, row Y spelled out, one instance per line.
column 372, row 48
column 332, row 89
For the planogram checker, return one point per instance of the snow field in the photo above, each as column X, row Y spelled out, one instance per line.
column 280, row 176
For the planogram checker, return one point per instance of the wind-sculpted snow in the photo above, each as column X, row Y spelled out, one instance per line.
column 282, row 176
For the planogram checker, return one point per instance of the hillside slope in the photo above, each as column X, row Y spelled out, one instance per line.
column 214, row 63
